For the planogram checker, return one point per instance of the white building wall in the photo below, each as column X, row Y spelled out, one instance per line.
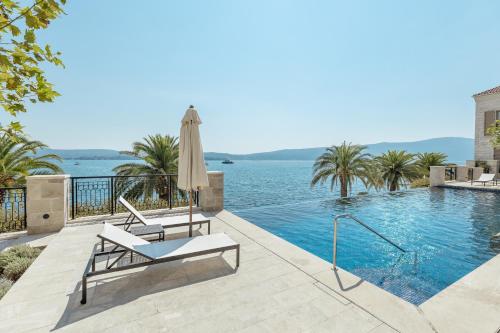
column 482, row 147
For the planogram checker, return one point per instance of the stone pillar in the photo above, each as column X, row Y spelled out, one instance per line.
column 212, row 197
column 477, row 172
column 46, row 203
column 437, row 176
column 462, row 173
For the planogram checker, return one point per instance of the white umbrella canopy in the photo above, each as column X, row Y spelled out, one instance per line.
column 192, row 173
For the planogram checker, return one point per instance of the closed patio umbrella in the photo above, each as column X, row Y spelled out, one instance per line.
column 192, row 171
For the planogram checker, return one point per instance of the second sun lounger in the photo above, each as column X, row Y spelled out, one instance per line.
column 166, row 222
column 485, row 178
column 154, row 253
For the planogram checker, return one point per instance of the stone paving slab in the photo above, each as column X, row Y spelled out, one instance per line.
column 472, row 304
column 10, row 239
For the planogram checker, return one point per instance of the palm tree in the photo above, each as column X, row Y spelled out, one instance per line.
column 396, row 168
column 18, row 159
column 343, row 164
column 426, row 160
column 159, row 154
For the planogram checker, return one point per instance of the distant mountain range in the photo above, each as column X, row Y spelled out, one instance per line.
column 457, row 149
column 86, row 154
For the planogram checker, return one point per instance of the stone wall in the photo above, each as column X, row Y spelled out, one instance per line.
column 212, row 197
column 462, row 173
column 478, row 171
column 482, row 148
column 437, row 176
column 46, row 203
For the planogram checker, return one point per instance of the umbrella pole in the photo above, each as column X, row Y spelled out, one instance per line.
column 191, row 213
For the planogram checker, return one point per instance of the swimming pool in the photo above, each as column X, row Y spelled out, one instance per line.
column 447, row 233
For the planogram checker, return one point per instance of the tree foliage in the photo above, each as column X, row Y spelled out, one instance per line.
column 426, row 160
column 18, row 160
column 494, row 132
column 160, row 154
column 397, row 168
column 343, row 164
column 21, row 77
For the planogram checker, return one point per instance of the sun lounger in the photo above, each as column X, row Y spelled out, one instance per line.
column 166, row 222
column 154, row 253
column 486, row 178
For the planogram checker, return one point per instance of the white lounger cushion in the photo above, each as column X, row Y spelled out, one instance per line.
column 119, row 236
column 171, row 248
column 177, row 219
column 183, row 246
column 164, row 221
column 486, row 177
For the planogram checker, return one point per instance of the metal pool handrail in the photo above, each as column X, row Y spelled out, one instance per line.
column 349, row 216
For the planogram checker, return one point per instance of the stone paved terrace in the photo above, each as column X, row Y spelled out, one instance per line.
column 278, row 288
column 474, row 186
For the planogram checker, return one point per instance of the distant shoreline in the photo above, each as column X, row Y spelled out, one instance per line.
column 456, row 148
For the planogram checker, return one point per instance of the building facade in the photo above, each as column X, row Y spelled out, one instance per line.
column 487, row 113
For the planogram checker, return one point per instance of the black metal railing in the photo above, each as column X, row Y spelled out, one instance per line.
column 450, row 173
column 99, row 195
column 12, row 209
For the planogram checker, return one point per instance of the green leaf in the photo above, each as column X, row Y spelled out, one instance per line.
column 29, row 36
column 4, row 60
column 16, row 126
column 14, row 30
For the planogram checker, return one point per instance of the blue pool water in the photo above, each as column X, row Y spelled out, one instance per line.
column 448, row 233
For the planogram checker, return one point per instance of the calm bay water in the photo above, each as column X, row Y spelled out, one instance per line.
column 248, row 184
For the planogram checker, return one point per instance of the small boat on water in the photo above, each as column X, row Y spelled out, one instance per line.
column 76, row 163
column 227, row 162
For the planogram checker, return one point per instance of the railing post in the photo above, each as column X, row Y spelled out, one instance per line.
column 112, row 194
column 24, row 204
column 169, row 179
column 73, row 198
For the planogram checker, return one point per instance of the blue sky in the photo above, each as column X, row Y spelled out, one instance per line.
column 267, row 75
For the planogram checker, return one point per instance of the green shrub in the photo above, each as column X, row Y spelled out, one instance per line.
column 5, row 285
column 6, row 257
column 421, row 182
column 19, row 251
column 17, row 267
column 25, row 251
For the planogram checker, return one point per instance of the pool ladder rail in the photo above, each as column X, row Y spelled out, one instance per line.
column 337, row 219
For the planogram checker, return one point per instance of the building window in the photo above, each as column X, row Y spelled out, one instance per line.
column 490, row 118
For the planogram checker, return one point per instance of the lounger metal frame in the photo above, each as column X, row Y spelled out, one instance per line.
column 90, row 269
column 130, row 220
column 493, row 181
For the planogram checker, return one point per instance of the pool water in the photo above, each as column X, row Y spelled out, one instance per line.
column 447, row 233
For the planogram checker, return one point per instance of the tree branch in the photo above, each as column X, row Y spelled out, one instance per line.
column 21, row 15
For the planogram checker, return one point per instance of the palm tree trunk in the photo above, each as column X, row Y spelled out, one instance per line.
column 393, row 187
column 343, row 187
